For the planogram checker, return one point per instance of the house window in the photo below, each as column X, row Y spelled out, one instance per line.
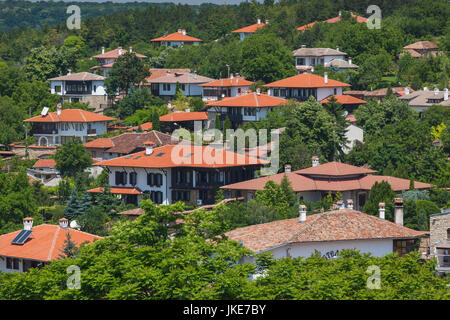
column 276, row 92
column 58, row 89
column 133, row 178
column 300, row 61
column 181, row 195
column 12, row 263
column 335, row 91
column 121, row 178
column 156, row 197
column 183, row 86
column 403, row 247
column 154, row 179
column 166, row 86
column 250, row 111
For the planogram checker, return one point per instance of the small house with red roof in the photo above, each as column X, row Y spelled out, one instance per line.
column 225, row 88
column 308, row 26
column 177, row 39
column 107, row 59
column 307, row 58
column 183, row 119
column 35, row 247
column 304, row 85
column 249, row 30
column 55, row 128
column 44, row 170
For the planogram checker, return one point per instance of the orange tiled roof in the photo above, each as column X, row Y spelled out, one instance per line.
column 71, row 115
column 228, row 82
column 44, row 243
column 101, row 143
column 334, row 169
column 45, row 163
column 306, row 80
column 145, row 127
column 250, row 29
column 249, row 100
column 114, row 54
column 117, row 190
column 177, row 36
column 329, row 226
column 421, row 45
column 169, row 156
column 160, row 72
column 344, row 99
column 332, row 20
column 183, row 116
column 307, row 26
column 79, row 76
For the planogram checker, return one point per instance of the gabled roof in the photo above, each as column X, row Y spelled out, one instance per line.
column 420, row 98
column 177, row 36
column 421, row 45
column 344, row 99
column 169, row 156
column 101, row 143
column 71, row 115
column 317, row 52
column 228, row 82
column 178, row 116
column 341, row 64
column 159, row 72
column 114, row 54
column 44, row 243
column 306, row 80
column 332, row 20
column 79, row 76
column 145, row 127
column 307, row 26
column 249, row 100
column 45, row 163
column 117, row 190
column 250, row 29
column 338, row 225
column 334, row 169
column 181, row 78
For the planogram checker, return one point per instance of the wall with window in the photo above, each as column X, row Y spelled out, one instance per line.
column 168, row 89
column 312, row 61
column 9, row 264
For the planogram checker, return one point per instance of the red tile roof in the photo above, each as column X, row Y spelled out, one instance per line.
column 80, row 76
column 101, row 143
column 397, row 184
column 145, row 127
column 45, row 163
column 228, row 82
column 249, row 100
column 421, row 45
column 114, row 54
column 306, row 26
column 351, row 118
column 159, row 72
column 71, row 115
column 117, row 190
column 250, row 29
column 44, row 243
column 344, row 99
column 169, row 156
column 183, row 116
column 332, row 20
column 329, row 226
column 133, row 212
column 334, row 169
column 177, row 36
column 306, row 80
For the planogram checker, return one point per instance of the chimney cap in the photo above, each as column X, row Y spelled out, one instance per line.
column 28, row 219
column 149, row 143
column 349, row 201
column 382, row 205
column 302, row 206
column 398, row 201
column 63, row 219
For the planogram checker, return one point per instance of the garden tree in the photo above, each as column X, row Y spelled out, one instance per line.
column 286, row 189
column 10, row 77
column 34, row 96
column 156, row 124
column 196, row 104
column 75, row 42
column 63, row 190
column 380, row 192
column 93, row 221
column 226, row 126
column 72, row 209
column 70, row 249
column 373, row 116
column 72, row 158
column 138, row 100
column 127, row 70
column 11, row 117
column 417, row 213
column 277, row 198
column 217, row 122
column 41, row 194
column 265, row 57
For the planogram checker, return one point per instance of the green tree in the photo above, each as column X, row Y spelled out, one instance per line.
column 70, row 249
column 380, row 192
column 72, row 158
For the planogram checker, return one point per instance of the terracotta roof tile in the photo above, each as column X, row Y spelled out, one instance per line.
column 159, row 72
column 421, row 45
column 114, row 54
column 228, row 82
column 177, row 36
column 71, row 115
column 334, row 169
column 145, row 127
column 101, row 143
column 250, row 29
column 332, row 20
column 306, row 80
column 183, row 116
column 80, row 76
column 249, row 100
column 117, row 190
column 344, row 99
column 45, row 163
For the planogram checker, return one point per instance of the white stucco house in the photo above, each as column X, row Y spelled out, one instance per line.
column 307, row 58
column 249, row 30
column 177, row 39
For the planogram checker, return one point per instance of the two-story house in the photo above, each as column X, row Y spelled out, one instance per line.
column 307, row 58
column 106, row 59
column 183, row 172
column 55, row 128
column 225, row 88
column 421, row 100
column 177, row 39
column 304, row 85
column 249, row 30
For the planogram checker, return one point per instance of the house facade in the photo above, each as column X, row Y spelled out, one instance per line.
column 177, row 39
column 422, row 100
column 307, row 58
column 225, row 88
column 249, row 30
column 55, row 128
column 44, row 170
column 107, row 59
column 440, row 240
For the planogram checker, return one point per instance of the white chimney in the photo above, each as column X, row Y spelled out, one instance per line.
column 103, row 50
column 436, row 91
column 325, row 77
column 169, row 105
column 27, row 223
column 337, row 48
column 381, row 210
column 183, row 32
column 69, row 71
column 58, row 109
column 398, row 211
column 131, row 49
column 350, row 61
column 258, row 91
column 302, row 213
column 259, row 21
column 179, row 30
column 350, row 204
column 187, row 109
column 63, row 223
column 267, row 21
column 340, row 205
column 231, row 76
column 315, row 161
column 340, row 13
column 120, row 51
column 425, row 89
column 287, row 168
column 406, row 90
column 445, row 94
column 148, row 147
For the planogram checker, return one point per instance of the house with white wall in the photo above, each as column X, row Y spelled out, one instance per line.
column 307, row 58
column 225, row 88
column 177, row 39
column 249, row 30
column 329, row 233
column 44, row 170
column 304, row 85
column 422, row 100
column 107, row 59
column 55, row 128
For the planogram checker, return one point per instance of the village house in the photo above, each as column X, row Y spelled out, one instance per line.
column 82, row 87
column 440, row 240
column 107, row 59
column 44, row 170
column 244, row 108
column 183, row 119
column 314, row 183
column 378, row 94
column 307, row 58
column 421, row 100
column 225, row 88
column 304, row 85
column 421, row 49
column 177, row 39
column 172, row 173
column 126, row 143
column 308, row 26
column 329, row 233
column 341, row 65
column 35, row 247
column 249, row 30
column 55, row 128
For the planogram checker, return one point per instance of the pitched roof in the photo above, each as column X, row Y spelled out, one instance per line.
column 79, row 76
column 159, row 72
column 249, row 100
column 183, row 155
column 184, row 116
column 317, row 52
column 420, row 98
column 177, row 36
column 334, row 168
column 228, row 82
column 306, row 80
column 307, row 26
column 397, row 184
column 100, row 143
column 117, row 190
column 45, row 163
column 329, row 226
column 344, row 99
column 421, row 45
column 44, row 243
column 145, row 127
column 181, row 78
column 250, row 29
column 341, row 64
column 114, row 54
column 332, row 20
column 71, row 115
column 132, row 212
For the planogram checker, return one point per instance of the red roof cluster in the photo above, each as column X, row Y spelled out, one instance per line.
column 228, row 82
column 45, row 163
column 344, row 99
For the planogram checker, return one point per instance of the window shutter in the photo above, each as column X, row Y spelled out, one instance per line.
column 118, row 178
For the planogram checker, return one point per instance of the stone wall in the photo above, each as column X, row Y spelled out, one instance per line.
column 439, row 223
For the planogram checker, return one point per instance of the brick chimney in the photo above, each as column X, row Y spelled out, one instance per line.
column 315, row 161
column 381, row 210
column 27, row 223
column 398, row 211
column 302, row 213
column 287, row 168
column 63, row 223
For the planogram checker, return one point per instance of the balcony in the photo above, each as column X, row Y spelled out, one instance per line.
column 44, row 131
column 233, row 117
column 92, row 132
